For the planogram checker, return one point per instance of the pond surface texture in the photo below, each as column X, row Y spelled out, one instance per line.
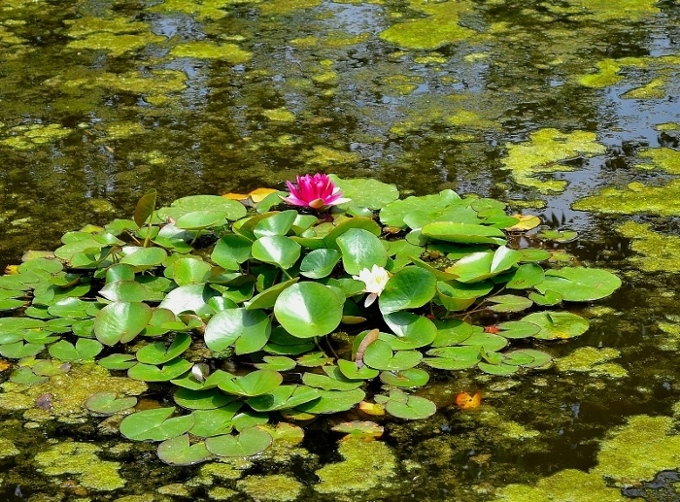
column 567, row 109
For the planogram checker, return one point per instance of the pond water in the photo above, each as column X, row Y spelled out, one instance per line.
column 564, row 109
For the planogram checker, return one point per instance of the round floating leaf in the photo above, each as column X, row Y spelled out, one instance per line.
column 482, row 265
column 412, row 331
column 250, row 441
column 12, row 304
column 19, row 350
column 191, row 298
column 456, row 296
column 412, row 377
column 380, row 356
column 278, row 250
column 118, row 361
column 518, row 329
column 84, row 349
column 227, row 326
column 309, row 309
column 361, row 429
column 333, row 401
column 550, row 298
column 526, row 276
column 393, row 214
column 215, row 422
column 159, row 353
column 197, row 220
column 411, row 287
column 187, row 271
column 333, row 381
column 178, row 451
column 209, row 399
column 108, row 403
column 276, row 363
column 267, row 298
column 230, row 251
column 561, row 236
column 169, row 371
column 350, row 370
column 509, row 303
column 534, row 255
column 253, row 384
column 453, row 358
column 579, row 284
column 415, row 408
column 539, row 359
column 232, row 209
column 283, row 397
column 319, row 263
column 369, row 193
column 155, row 425
column 488, row 341
column 124, row 291
column 275, row 224
column 143, row 257
column 121, row 322
column 558, row 325
column 464, row 233
column 361, row 249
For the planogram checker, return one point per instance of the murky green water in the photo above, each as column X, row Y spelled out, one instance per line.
column 565, row 109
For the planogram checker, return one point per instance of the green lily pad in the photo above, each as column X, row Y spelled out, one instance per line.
column 143, row 258
column 498, row 369
column 410, row 287
column 149, row 373
column 230, row 251
column 232, row 210
column 550, row 298
column 267, row 298
column 208, row 399
column 188, row 270
column 190, row 298
column 453, row 358
column 518, row 329
column 412, row 331
column 319, row 263
column 84, row 349
column 178, row 451
column 333, row 380
column 361, row 249
column 350, row 370
column 124, row 291
column 121, row 322
column 276, row 363
column 558, row 325
column 369, row 193
column 283, row 397
column 539, row 359
column 408, row 407
column 526, row 276
column 333, row 401
column 250, row 441
column 579, row 284
column 197, row 220
column 159, row 353
column 379, row 355
column 412, row 377
column 278, row 250
column 393, row 214
column 19, row 350
column 308, row 309
column 509, row 303
column 118, row 361
column 215, row 422
column 488, row 341
column 155, row 425
column 463, row 233
column 108, row 403
column 275, row 224
column 228, row 326
column 483, row 265
column 456, row 296
column 253, row 384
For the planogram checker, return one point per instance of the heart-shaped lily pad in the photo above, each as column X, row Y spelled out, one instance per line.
column 379, row 355
column 155, row 425
column 178, row 451
column 108, row 403
column 250, row 441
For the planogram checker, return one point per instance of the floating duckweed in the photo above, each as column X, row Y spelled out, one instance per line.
column 662, row 158
column 81, row 459
column 228, row 469
column 279, row 115
column 604, row 10
column 231, row 53
column 28, row 137
column 68, row 392
column 546, row 148
column 568, row 485
column 402, row 84
column 366, row 465
column 656, row 252
column 326, row 78
column 668, row 126
column 123, row 130
column 607, row 74
column 7, row 448
column 221, row 493
column 324, row 156
column 274, row 488
column 635, row 198
column 508, row 429
column 441, row 26
column 671, row 342
column 653, row 90
column 136, row 498
column 206, row 9
column 88, row 25
column 431, row 60
column 174, row 489
column 593, row 361
column 656, row 449
column 282, row 7
column 117, row 45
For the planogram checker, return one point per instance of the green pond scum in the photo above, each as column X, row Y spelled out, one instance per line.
column 429, row 114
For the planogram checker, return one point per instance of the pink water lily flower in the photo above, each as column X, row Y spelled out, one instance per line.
column 315, row 191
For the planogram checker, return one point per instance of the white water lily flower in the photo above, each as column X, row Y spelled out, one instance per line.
column 375, row 280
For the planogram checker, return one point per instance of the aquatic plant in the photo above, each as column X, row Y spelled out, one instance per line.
column 246, row 313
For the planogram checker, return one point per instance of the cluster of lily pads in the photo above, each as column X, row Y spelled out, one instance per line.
column 275, row 306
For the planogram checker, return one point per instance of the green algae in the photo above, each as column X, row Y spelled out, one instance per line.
column 221, row 493
column 656, row 89
column 7, row 449
column 656, row 449
column 365, row 466
column 80, row 459
column 157, row 82
column 663, row 158
column 544, row 152
column 569, row 485
column 635, row 198
column 670, row 342
column 440, row 27
column 226, row 469
column 122, row 130
column 323, row 156
column 28, row 137
column 117, row 45
column 605, row 11
column 231, row 53
column 271, row 488
column 668, row 126
column 279, row 115
column 283, row 7
column 200, row 9
column 593, row 361
column 68, row 393
column 655, row 252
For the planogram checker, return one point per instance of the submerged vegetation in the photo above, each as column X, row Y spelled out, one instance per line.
column 245, row 317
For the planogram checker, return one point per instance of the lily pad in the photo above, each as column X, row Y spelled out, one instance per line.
column 108, row 403
column 250, row 441
column 83, row 350
column 178, row 451
column 558, row 325
column 379, row 355
column 121, row 322
column 579, row 284
column 159, row 353
column 412, row 377
column 308, row 309
column 333, row 401
column 149, row 373
column 409, row 288
column 155, row 425
column 253, row 384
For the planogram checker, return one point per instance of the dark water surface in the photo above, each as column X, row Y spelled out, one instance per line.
column 538, row 103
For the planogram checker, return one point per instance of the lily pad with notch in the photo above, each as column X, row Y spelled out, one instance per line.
column 108, row 403
column 179, row 451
